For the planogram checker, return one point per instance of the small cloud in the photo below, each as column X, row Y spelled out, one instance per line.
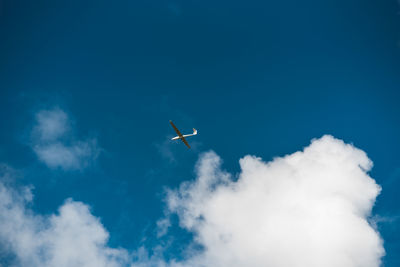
column 50, row 135
column 165, row 150
column 74, row 157
column 163, row 226
column 51, row 124
column 377, row 220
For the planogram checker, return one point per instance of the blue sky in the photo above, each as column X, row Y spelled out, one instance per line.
column 255, row 78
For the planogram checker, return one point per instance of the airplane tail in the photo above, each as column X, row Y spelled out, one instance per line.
column 194, row 131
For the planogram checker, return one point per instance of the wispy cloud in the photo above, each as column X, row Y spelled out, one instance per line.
column 162, row 226
column 165, row 149
column 55, row 144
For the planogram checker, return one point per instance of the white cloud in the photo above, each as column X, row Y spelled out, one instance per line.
column 162, row 226
column 51, row 124
column 71, row 157
column 165, row 150
column 309, row 208
column 56, row 147
column 72, row 237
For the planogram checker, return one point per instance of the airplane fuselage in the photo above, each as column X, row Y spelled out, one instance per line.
column 180, row 137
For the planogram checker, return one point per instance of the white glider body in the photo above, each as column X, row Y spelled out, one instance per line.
column 185, row 135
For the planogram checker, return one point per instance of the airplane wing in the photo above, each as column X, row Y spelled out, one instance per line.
column 177, row 131
column 184, row 140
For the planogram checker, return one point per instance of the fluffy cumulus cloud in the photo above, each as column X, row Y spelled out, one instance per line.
column 71, row 237
column 55, row 145
column 310, row 208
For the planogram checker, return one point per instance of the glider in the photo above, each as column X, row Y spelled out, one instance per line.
column 181, row 136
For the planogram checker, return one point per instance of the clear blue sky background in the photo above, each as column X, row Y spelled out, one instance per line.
column 255, row 77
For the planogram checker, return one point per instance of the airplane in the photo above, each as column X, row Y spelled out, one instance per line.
column 181, row 136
